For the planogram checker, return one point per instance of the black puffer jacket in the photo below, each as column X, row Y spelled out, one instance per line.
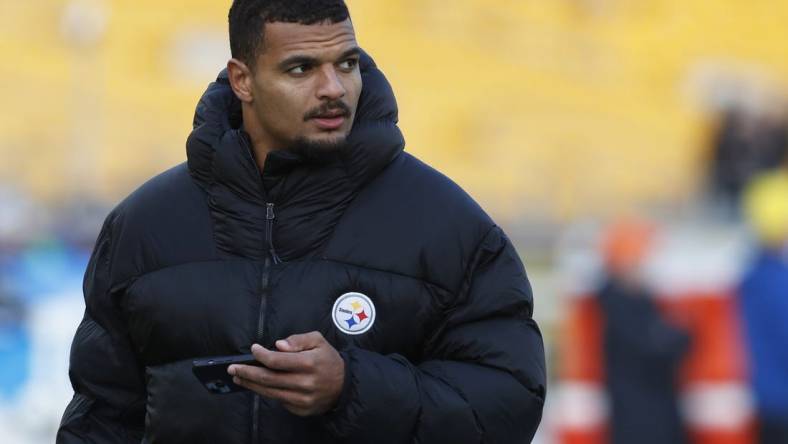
column 212, row 256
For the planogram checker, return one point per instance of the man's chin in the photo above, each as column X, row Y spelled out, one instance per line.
column 320, row 150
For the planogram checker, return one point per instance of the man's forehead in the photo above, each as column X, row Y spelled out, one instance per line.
column 282, row 39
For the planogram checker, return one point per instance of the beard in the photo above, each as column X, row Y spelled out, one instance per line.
column 322, row 151
column 319, row 151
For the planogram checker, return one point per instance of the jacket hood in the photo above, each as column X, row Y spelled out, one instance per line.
column 218, row 149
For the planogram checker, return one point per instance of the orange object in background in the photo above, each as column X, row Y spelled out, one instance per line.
column 626, row 244
column 717, row 400
column 583, row 408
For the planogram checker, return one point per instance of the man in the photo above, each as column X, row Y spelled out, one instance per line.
column 642, row 349
column 382, row 303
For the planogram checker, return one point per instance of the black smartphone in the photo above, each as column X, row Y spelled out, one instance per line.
column 212, row 372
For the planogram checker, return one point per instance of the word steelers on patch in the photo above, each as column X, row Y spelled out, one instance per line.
column 353, row 313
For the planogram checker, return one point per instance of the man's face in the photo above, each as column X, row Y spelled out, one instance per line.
column 306, row 84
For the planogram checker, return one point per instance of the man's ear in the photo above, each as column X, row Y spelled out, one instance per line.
column 241, row 79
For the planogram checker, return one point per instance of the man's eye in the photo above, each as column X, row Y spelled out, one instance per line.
column 300, row 69
column 348, row 64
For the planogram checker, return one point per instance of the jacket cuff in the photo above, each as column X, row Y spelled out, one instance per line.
column 335, row 419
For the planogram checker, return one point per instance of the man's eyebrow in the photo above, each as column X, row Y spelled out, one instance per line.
column 350, row 53
column 297, row 60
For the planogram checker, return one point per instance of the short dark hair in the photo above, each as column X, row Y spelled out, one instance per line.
column 248, row 18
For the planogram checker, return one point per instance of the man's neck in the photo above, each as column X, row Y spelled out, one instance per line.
column 260, row 144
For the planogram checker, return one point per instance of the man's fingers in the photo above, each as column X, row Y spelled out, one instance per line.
column 307, row 381
column 296, row 402
column 273, row 379
column 301, row 342
column 284, row 361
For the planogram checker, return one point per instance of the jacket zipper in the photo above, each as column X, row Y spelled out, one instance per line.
column 269, row 258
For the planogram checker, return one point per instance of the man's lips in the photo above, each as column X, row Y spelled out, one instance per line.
column 329, row 122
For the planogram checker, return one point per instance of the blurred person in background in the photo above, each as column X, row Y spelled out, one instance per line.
column 14, row 342
column 749, row 140
column 763, row 297
column 16, row 228
column 642, row 350
column 383, row 304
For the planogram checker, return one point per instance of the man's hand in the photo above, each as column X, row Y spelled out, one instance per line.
column 306, row 374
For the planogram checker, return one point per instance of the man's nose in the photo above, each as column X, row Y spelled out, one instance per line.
column 331, row 87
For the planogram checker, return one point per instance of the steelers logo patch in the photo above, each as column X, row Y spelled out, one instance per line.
column 354, row 313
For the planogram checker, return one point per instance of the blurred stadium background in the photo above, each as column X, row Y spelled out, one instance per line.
column 558, row 116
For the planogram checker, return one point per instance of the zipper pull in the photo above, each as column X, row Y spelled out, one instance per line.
column 270, row 216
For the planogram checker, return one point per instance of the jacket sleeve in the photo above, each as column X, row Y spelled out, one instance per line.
column 109, row 393
column 482, row 379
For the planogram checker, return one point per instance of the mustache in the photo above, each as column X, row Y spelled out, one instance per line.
column 327, row 108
